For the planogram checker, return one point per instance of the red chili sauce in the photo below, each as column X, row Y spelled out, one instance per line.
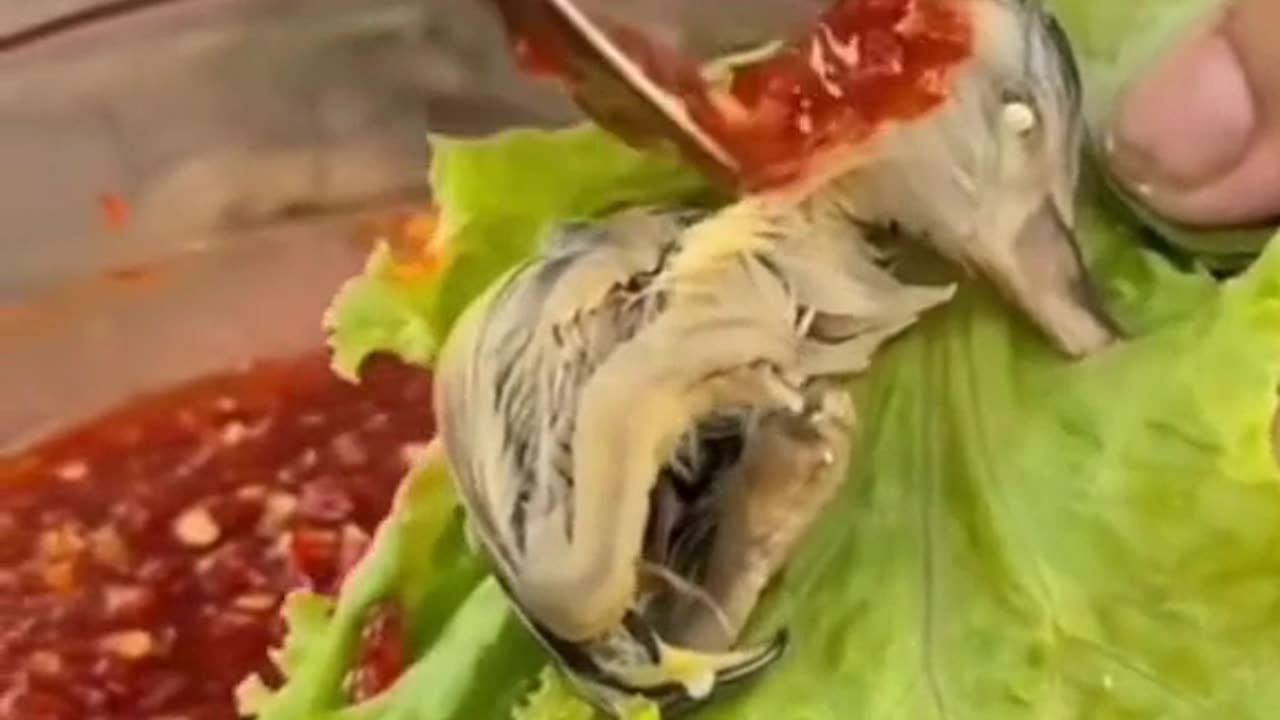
column 143, row 556
column 866, row 63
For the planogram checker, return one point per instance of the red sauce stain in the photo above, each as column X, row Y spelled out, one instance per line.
column 866, row 63
column 144, row 555
column 416, row 246
column 383, row 653
column 413, row 241
column 139, row 275
column 113, row 212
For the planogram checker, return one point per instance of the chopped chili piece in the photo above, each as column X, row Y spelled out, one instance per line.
column 144, row 555
column 383, row 653
column 114, row 212
column 412, row 240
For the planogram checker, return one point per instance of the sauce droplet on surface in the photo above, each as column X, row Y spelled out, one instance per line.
column 113, row 212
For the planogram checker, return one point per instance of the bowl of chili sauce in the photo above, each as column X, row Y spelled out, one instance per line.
column 144, row 553
column 187, row 186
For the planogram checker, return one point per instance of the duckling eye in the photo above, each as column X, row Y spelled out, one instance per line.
column 1019, row 118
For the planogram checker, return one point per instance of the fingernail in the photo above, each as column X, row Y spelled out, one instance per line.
column 1188, row 123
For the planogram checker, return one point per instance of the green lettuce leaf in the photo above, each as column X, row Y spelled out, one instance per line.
column 498, row 198
column 1024, row 538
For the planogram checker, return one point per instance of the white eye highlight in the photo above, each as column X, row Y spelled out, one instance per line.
column 1018, row 118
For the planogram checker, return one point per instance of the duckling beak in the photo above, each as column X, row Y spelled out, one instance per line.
column 1044, row 273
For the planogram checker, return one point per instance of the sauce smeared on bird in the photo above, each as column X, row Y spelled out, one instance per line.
column 865, row 64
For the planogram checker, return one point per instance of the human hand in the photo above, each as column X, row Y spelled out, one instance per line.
column 1199, row 137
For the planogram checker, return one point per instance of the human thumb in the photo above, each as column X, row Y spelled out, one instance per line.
column 1198, row 138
